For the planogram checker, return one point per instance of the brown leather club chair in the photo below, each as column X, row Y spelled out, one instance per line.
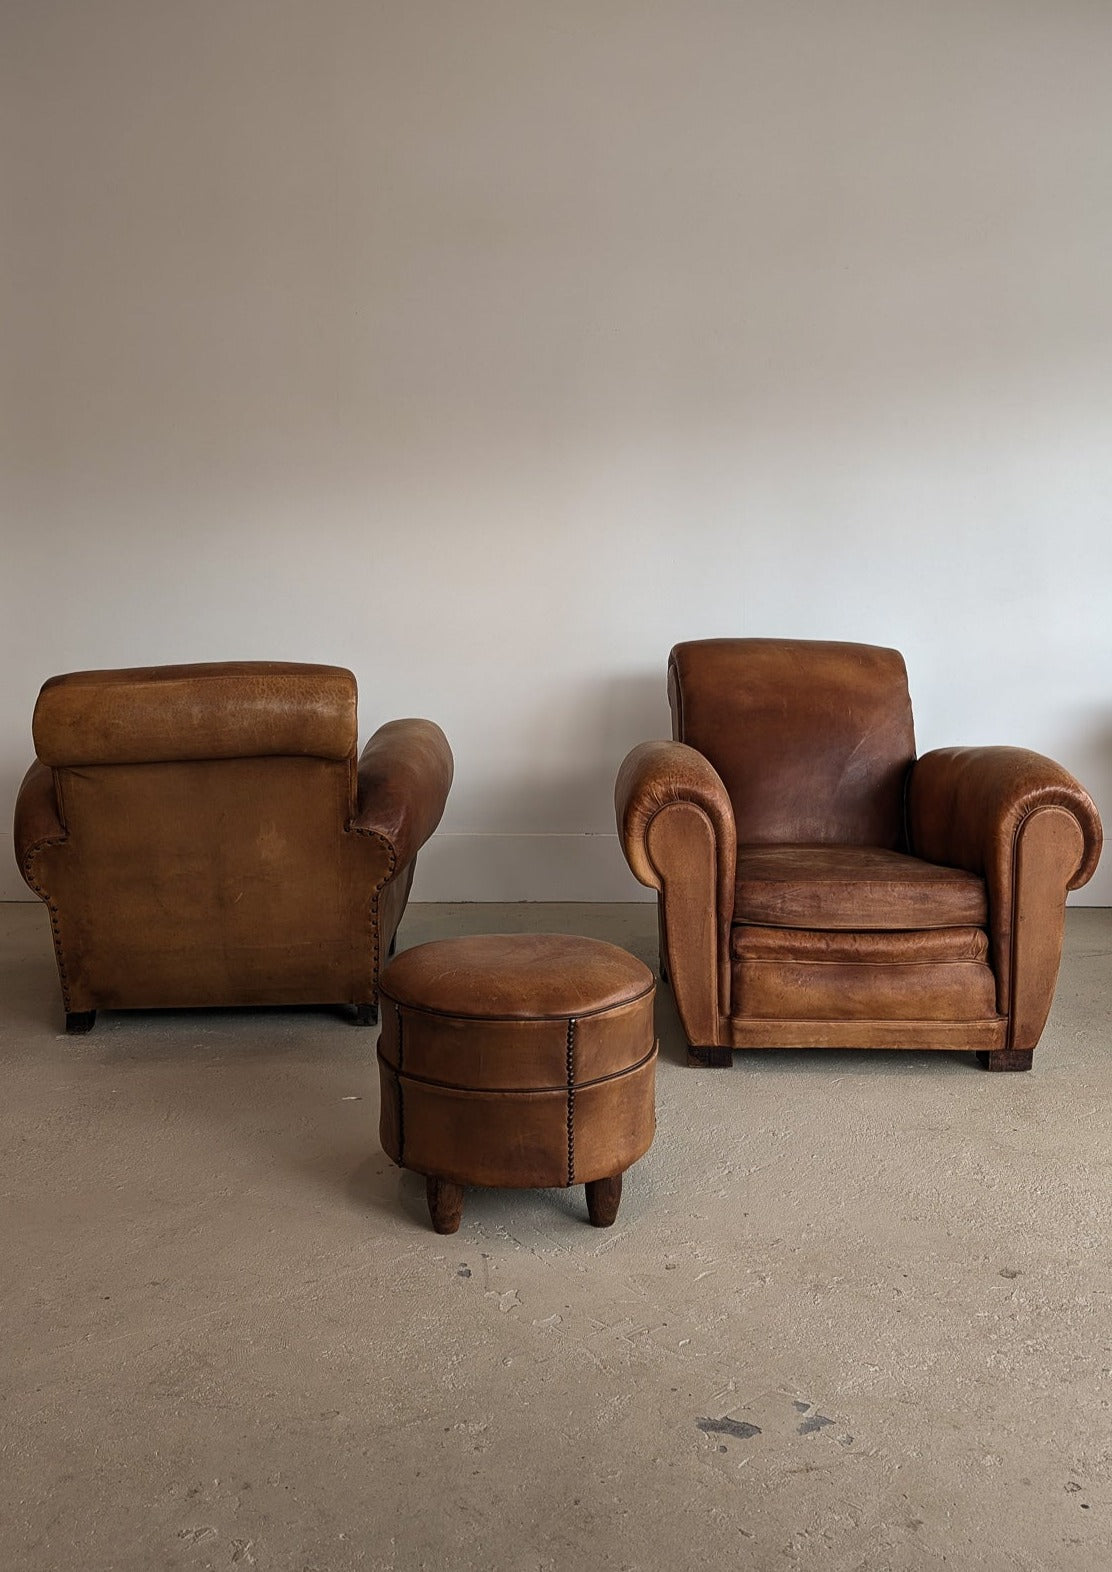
column 820, row 887
column 205, row 835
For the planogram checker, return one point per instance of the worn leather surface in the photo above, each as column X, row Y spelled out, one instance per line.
column 941, row 974
column 519, row 1060
column 853, row 887
column 812, row 745
column 676, row 826
column 1031, row 831
column 223, row 881
column 813, row 740
column 236, row 709
column 517, row 976
column 404, row 777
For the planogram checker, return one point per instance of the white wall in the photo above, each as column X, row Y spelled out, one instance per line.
column 490, row 346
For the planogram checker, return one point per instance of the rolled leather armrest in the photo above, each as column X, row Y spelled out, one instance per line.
column 37, row 821
column 676, row 825
column 404, row 776
column 1032, row 832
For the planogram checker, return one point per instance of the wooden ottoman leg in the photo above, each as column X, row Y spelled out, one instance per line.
column 80, row 1021
column 604, row 1196
column 445, row 1204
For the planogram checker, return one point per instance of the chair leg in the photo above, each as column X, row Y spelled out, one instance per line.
column 80, row 1021
column 604, row 1196
column 445, row 1204
column 366, row 1015
column 710, row 1058
column 1006, row 1058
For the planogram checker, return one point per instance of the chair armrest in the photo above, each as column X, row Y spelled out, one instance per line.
column 676, row 825
column 404, row 776
column 37, row 822
column 1032, row 832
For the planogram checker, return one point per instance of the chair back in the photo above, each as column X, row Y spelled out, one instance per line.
column 813, row 740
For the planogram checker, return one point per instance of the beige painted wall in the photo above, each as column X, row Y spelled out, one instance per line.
column 488, row 348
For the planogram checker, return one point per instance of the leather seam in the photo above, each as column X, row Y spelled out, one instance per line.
column 398, row 1082
column 1013, row 936
column 571, row 1098
column 518, row 1091
column 521, row 1020
column 373, row 908
column 51, row 906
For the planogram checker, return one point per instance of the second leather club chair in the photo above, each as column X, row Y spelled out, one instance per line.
column 208, row 835
column 821, row 887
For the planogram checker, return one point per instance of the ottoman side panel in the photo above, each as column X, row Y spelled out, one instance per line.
column 614, row 1122
column 479, row 1055
column 514, row 1139
column 614, row 1039
column 390, row 1123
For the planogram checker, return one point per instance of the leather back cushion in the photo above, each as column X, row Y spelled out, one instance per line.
column 812, row 740
column 233, row 709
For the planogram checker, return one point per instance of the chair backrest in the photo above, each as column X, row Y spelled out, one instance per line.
column 206, row 856
column 813, row 740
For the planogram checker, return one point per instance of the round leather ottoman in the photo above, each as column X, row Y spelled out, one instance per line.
column 521, row 1060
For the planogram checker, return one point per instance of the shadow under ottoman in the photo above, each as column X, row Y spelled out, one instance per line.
column 517, row 1060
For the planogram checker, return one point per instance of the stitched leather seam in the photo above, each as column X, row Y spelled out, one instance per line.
column 1013, row 937
column 749, row 960
column 373, row 909
column 398, row 1081
column 721, row 956
column 517, row 1091
column 29, row 857
column 519, row 1020
column 571, row 1098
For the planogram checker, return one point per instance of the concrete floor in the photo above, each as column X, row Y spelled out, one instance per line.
column 856, row 1312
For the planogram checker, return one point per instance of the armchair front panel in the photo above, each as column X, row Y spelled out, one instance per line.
column 813, row 740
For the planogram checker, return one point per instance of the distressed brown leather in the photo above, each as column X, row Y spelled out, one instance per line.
column 835, row 718
column 864, row 976
column 152, row 714
column 676, row 825
column 876, row 901
column 236, row 865
column 1023, row 824
column 853, row 887
column 517, row 1059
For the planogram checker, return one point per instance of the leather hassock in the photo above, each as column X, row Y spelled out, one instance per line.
column 519, row 1060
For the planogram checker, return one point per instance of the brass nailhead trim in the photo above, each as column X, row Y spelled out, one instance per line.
column 571, row 1098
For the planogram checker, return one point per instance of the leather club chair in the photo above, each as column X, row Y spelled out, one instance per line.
column 205, row 835
column 820, row 887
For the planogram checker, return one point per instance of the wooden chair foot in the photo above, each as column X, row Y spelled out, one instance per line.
column 1006, row 1058
column 604, row 1196
column 711, row 1058
column 80, row 1021
column 366, row 1015
column 445, row 1204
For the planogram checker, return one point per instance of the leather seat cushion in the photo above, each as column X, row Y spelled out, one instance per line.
column 856, row 888
column 939, row 974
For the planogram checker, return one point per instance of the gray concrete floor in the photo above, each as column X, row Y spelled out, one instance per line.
column 856, row 1312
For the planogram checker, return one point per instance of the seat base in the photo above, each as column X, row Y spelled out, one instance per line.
column 971, row 1036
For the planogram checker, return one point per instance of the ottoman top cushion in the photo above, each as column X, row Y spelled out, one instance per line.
column 516, row 976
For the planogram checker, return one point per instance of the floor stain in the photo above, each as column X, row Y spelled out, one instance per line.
column 740, row 1429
